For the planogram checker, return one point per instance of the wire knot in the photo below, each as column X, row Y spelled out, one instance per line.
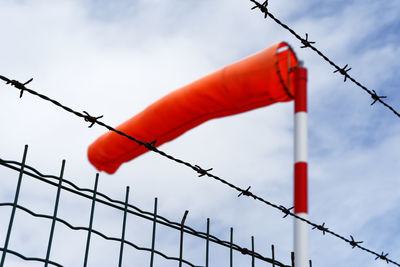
column 201, row 171
column 19, row 85
column 91, row 119
column 247, row 193
column 151, row 145
column 383, row 257
column 285, row 210
column 245, row 251
column 343, row 71
column 306, row 42
column 263, row 7
column 354, row 243
column 375, row 97
column 321, row 228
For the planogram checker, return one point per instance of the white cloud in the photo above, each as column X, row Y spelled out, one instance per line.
column 113, row 59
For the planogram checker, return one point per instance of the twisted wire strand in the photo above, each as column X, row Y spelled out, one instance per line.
column 308, row 44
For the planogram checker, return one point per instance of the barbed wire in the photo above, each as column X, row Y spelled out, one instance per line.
column 131, row 209
column 202, row 172
column 309, row 44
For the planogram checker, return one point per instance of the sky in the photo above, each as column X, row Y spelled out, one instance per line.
column 114, row 58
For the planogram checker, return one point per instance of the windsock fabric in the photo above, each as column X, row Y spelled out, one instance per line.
column 257, row 81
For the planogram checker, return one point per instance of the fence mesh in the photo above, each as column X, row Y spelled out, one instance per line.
column 82, row 226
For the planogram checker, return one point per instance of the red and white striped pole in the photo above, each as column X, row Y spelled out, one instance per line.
column 300, row 167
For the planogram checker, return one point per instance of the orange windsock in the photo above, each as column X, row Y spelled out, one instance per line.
column 259, row 80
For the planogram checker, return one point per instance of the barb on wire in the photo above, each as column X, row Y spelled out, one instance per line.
column 152, row 144
column 286, row 210
column 383, row 257
column 263, row 7
column 321, row 227
column 354, row 243
column 375, row 97
column 247, row 193
column 203, row 172
column 306, row 42
column 91, row 119
column 309, row 44
column 17, row 84
column 344, row 71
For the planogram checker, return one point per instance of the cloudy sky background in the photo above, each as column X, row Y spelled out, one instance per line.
column 114, row 58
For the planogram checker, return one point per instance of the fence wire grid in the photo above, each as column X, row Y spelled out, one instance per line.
column 155, row 257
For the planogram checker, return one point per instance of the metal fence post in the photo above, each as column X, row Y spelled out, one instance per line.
column 3, row 256
column 207, row 240
column 252, row 252
column 53, row 223
column 153, row 239
column 273, row 255
column 231, row 249
column 123, row 227
column 181, row 242
column 91, row 220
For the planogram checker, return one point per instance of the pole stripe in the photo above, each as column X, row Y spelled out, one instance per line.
column 300, row 188
column 300, row 167
column 301, row 242
column 300, row 142
column 300, row 102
